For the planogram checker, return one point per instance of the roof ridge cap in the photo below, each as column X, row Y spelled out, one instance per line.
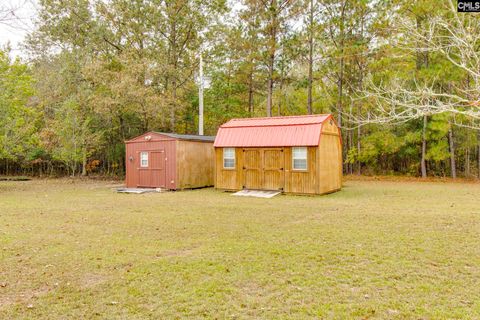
column 284, row 117
column 275, row 125
column 180, row 134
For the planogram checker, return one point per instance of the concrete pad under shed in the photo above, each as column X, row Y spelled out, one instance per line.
column 138, row 190
column 257, row 193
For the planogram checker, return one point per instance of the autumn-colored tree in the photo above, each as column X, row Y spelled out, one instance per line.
column 400, row 76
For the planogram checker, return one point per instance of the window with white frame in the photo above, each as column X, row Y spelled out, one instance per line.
column 299, row 158
column 229, row 158
column 143, row 159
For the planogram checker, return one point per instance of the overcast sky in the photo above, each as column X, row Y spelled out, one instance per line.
column 18, row 23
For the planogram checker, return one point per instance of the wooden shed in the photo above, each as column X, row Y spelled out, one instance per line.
column 170, row 161
column 297, row 154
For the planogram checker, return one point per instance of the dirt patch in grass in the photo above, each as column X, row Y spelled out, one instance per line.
column 91, row 280
column 177, row 253
column 252, row 289
column 25, row 297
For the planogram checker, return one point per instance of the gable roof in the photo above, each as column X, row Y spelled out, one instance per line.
column 272, row 132
column 160, row 135
column 188, row 136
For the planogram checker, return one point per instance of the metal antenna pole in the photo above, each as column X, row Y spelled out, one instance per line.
column 200, row 99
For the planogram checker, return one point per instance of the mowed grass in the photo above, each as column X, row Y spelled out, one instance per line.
column 385, row 250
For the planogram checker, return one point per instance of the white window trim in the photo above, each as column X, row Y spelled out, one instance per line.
column 306, row 159
column 141, row 159
column 224, row 158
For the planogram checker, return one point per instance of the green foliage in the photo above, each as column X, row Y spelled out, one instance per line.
column 438, row 127
column 18, row 117
column 378, row 145
column 102, row 72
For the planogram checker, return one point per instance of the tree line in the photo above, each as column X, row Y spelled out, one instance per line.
column 401, row 78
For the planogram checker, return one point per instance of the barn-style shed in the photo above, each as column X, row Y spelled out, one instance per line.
column 170, row 161
column 297, row 154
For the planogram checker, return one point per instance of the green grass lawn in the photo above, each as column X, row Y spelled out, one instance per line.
column 396, row 250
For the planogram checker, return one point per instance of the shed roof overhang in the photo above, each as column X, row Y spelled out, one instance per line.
column 157, row 136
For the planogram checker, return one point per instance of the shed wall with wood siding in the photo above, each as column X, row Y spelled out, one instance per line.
column 195, row 164
column 330, row 160
column 174, row 161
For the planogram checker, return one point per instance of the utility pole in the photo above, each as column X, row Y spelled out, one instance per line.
column 200, row 99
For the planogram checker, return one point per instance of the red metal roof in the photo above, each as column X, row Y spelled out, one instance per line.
column 271, row 132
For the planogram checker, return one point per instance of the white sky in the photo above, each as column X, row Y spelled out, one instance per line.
column 19, row 22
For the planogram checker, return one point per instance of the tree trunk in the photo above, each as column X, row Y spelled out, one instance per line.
column 279, row 110
column 310, row 60
column 270, row 87
column 84, row 162
column 453, row 168
column 478, row 155
column 342, row 64
column 281, row 95
column 271, row 60
column 467, row 162
column 250, row 94
column 423, row 163
column 359, row 164
column 350, row 147
column 340, row 104
column 173, row 107
column 350, row 142
column 340, row 92
column 174, row 63
column 73, row 168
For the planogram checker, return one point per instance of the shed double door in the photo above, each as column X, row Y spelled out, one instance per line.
column 153, row 176
column 263, row 169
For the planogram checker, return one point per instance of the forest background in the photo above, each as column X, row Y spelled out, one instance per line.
column 401, row 77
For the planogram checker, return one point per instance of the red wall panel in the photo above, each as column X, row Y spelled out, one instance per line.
column 153, row 142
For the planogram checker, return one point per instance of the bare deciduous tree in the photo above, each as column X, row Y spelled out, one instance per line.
column 454, row 36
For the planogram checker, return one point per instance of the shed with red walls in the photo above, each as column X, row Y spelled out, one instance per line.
column 168, row 160
column 296, row 154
